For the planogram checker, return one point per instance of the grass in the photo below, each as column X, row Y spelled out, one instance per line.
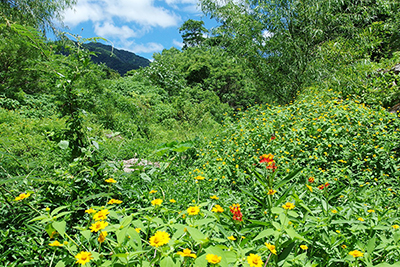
column 331, row 201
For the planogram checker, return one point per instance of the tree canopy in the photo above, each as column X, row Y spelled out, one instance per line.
column 37, row 13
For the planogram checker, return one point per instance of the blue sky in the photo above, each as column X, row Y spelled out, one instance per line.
column 140, row 26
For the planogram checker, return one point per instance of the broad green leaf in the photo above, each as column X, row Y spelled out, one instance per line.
column 168, row 262
column 63, row 144
column 201, row 261
column 371, row 245
column 126, row 221
column 57, row 210
column 196, row 234
column 60, row 227
column 265, row 233
column 134, row 239
column 60, row 264
column 203, row 222
column 294, row 235
column 121, row 235
column 86, row 234
column 41, row 217
column 96, row 145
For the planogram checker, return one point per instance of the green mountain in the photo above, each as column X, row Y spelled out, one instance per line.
column 116, row 59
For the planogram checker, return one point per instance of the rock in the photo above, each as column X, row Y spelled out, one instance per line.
column 128, row 164
column 396, row 69
column 395, row 108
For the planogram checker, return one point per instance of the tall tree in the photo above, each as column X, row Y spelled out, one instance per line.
column 192, row 33
column 36, row 13
column 279, row 40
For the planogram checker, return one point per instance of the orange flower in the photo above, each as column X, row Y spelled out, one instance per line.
column 269, row 160
column 237, row 214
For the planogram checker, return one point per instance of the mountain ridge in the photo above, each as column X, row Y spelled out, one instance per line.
column 117, row 59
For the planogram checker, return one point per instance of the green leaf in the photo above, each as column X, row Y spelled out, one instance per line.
column 196, row 234
column 203, row 222
column 57, row 210
column 60, row 264
column 126, row 221
column 252, row 196
column 96, row 145
column 287, row 179
column 371, row 245
column 265, row 233
column 201, row 261
column 38, row 218
column 121, row 235
column 60, row 227
column 294, row 235
column 168, row 262
column 63, row 144
column 86, row 234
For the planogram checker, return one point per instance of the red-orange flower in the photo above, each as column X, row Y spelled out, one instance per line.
column 237, row 214
column 311, row 179
column 269, row 160
column 322, row 186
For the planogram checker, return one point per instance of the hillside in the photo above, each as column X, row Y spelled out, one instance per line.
column 117, row 59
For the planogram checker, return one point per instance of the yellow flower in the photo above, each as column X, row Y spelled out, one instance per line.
column 337, row 231
column 187, row 253
column 360, row 219
column 153, row 191
column 356, row 253
column 97, row 226
column 343, row 246
column 102, row 237
column 55, row 244
column 138, row 230
column 110, row 180
column 214, row 259
column 83, row 257
column 231, row 238
column 156, row 202
column 217, row 208
column 371, row 211
column 114, row 201
column 309, row 188
column 199, row 178
column 395, row 226
column 271, row 248
column 254, row 260
column 288, row 206
column 159, row 239
column 22, row 196
column 271, row 192
column 193, row 210
column 214, row 197
column 90, row 211
column 172, row 200
column 334, row 211
column 303, row 247
column 101, row 215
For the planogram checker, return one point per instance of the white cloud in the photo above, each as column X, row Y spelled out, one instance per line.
column 177, row 43
column 83, row 11
column 143, row 12
column 174, row 2
column 147, row 48
column 108, row 29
